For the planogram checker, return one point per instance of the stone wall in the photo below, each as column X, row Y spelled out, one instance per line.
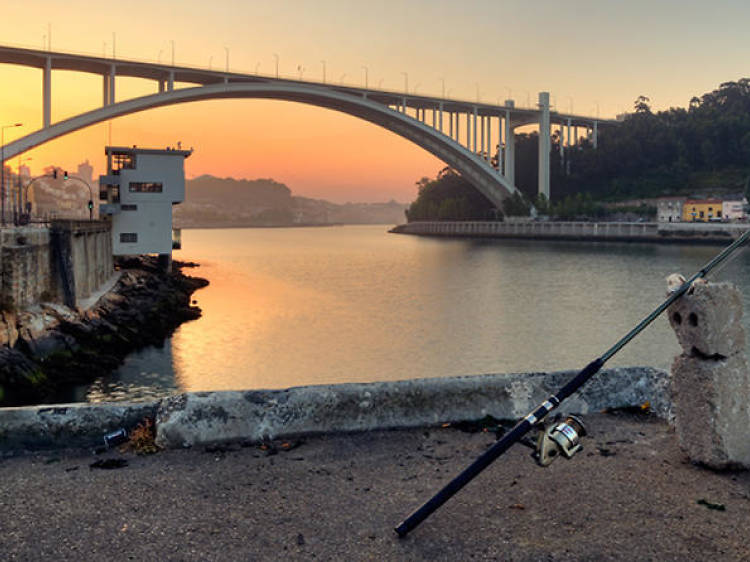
column 63, row 263
column 594, row 231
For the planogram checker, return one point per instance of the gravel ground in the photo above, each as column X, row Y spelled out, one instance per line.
column 630, row 495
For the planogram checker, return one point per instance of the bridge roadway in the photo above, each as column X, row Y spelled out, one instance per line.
column 469, row 150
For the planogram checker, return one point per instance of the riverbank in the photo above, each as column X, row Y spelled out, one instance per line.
column 630, row 495
column 669, row 233
column 49, row 347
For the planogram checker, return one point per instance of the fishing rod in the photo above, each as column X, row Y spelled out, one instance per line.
column 562, row 437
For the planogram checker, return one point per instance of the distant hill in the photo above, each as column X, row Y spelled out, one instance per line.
column 212, row 202
column 260, row 192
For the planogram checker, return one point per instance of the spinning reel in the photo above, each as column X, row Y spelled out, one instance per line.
column 558, row 438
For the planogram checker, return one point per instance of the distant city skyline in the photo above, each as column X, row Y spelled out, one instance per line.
column 594, row 58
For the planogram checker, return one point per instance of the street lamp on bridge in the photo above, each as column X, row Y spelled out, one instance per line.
column 406, row 82
column 2, row 168
column 365, row 69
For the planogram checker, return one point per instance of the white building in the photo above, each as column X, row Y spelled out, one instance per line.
column 733, row 208
column 669, row 209
column 138, row 192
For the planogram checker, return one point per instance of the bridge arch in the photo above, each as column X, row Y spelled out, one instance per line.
column 482, row 176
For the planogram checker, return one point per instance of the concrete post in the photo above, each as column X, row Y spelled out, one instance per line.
column 440, row 118
column 544, row 144
column 170, row 81
column 47, row 93
column 489, row 137
column 710, row 382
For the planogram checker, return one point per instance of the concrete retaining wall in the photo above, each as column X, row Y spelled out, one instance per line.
column 593, row 231
column 210, row 417
column 65, row 263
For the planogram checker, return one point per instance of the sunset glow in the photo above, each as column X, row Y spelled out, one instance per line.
column 586, row 55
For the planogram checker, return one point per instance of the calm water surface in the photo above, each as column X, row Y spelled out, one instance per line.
column 300, row 306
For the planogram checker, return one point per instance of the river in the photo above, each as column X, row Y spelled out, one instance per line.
column 298, row 306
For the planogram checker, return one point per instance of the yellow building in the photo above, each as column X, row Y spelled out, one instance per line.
column 701, row 210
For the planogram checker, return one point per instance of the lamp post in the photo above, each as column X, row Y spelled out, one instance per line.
column 365, row 69
column 277, row 65
column 442, row 81
column 2, row 168
column 172, row 42
column 406, row 82
column 227, row 53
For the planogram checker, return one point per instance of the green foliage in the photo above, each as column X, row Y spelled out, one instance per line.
column 516, row 206
column 668, row 152
column 449, row 197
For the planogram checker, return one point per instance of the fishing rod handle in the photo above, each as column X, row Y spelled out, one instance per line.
column 497, row 449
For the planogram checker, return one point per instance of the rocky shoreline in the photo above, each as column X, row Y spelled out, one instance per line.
column 48, row 348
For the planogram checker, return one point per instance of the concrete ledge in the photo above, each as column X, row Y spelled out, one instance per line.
column 209, row 417
column 67, row 425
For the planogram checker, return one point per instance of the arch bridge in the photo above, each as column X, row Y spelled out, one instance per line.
column 477, row 139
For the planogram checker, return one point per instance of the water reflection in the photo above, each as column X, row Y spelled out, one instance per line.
column 289, row 307
column 145, row 375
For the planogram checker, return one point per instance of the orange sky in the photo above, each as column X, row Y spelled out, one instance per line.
column 592, row 56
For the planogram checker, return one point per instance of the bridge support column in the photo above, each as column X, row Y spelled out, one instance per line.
column 112, row 74
column 489, row 137
column 105, row 90
column 595, row 137
column 482, row 134
column 474, row 131
column 161, row 86
column 170, row 81
column 544, row 144
column 47, row 93
column 468, row 131
column 510, row 151
column 440, row 118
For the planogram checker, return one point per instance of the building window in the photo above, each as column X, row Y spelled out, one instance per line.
column 128, row 207
column 145, row 187
column 128, row 237
column 110, row 189
column 123, row 162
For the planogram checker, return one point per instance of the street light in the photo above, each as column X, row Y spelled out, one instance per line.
column 442, row 81
column 172, row 42
column 2, row 168
column 406, row 82
column 227, row 53
column 210, row 60
column 365, row 69
column 277, row 65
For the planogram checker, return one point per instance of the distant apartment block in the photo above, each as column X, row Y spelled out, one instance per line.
column 138, row 192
